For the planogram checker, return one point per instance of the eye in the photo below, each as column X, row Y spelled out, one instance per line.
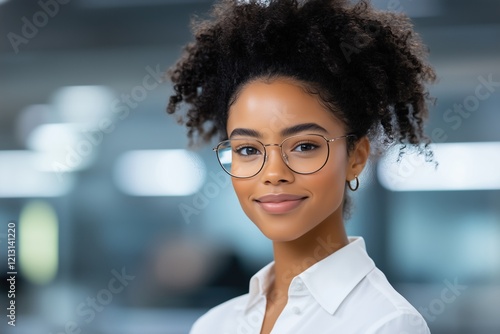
column 247, row 150
column 304, row 147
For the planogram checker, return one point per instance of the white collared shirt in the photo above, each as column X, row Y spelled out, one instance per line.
column 343, row 293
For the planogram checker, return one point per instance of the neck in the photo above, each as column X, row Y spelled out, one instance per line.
column 293, row 257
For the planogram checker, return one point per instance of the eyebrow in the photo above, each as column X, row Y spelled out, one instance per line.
column 284, row 133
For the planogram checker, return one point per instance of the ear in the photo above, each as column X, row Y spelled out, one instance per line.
column 358, row 158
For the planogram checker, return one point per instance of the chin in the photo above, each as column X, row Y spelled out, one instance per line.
column 275, row 237
column 281, row 233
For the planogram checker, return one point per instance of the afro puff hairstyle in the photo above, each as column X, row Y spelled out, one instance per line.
column 367, row 66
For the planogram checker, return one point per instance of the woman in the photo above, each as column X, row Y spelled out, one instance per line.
column 302, row 93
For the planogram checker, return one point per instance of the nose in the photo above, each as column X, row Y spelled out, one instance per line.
column 275, row 170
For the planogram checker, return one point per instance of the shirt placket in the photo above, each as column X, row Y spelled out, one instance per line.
column 251, row 321
column 295, row 311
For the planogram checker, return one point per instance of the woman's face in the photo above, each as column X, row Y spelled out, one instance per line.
column 283, row 204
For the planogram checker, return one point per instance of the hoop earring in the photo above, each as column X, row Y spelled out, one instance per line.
column 357, row 184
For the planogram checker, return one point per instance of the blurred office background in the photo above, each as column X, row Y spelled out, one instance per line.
column 120, row 229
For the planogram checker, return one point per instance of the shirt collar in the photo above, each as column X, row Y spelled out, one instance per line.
column 332, row 279
column 259, row 284
column 329, row 281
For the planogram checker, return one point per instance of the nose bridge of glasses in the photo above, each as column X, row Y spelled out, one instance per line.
column 284, row 157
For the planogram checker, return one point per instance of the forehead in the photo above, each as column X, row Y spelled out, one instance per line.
column 270, row 106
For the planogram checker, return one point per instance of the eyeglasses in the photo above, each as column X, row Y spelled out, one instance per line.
column 303, row 154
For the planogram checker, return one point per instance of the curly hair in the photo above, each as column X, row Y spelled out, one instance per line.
column 369, row 64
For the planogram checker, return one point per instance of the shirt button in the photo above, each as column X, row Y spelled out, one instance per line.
column 299, row 286
column 296, row 310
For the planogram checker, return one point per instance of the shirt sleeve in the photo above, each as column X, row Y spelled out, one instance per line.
column 401, row 323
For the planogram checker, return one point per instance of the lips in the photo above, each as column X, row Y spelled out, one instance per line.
column 279, row 203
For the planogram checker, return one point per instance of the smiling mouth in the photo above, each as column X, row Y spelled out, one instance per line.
column 279, row 204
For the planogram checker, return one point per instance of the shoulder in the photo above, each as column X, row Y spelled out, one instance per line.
column 213, row 321
column 378, row 283
column 390, row 311
column 401, row 321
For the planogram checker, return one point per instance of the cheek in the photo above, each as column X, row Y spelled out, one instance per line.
column 329, row 182
column 242, row 188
